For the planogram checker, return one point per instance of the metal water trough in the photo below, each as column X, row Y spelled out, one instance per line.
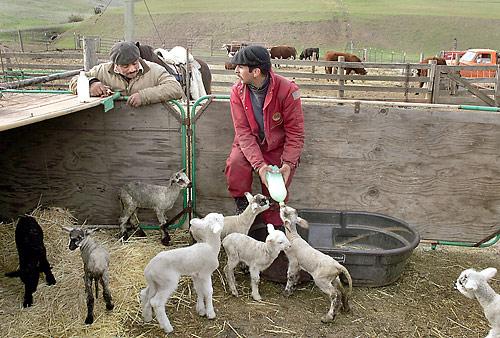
column 373, row 247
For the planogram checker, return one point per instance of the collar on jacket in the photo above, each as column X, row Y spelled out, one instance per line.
column 144, row 68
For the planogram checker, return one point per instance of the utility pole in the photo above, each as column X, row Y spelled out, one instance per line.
column 129, row 20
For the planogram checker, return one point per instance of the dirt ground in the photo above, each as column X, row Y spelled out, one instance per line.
column 422, row 303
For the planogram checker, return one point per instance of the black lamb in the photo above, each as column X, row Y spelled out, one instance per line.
column 32, row 257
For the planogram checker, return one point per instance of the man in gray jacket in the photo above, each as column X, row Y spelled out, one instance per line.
column 143, row 81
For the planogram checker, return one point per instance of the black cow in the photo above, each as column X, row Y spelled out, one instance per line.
column 308, row 53
column 32, row 257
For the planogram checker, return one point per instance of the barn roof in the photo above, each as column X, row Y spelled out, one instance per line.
column 20, row 109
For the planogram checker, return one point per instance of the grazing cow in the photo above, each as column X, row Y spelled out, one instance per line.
column 32, row 257
column 233, row 47
column 423, row 72
column 307, row 54
column 334, row 56
column 147, row 53
column 283, row 52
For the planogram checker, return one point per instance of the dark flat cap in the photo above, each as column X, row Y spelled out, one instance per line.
column 124, row 53
column 253, row 56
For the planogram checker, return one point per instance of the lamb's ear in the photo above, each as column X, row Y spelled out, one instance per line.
column 216, row 227
column 196, row 221
column 68, row 229
column 270, row 228
column 488, row 273
column 302, row 223
column 249, row 197
column 90, row 231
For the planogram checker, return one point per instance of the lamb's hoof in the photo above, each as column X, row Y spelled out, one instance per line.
column 123, row 235
column 287, row 292
column 166, row 239
column 346, row 308
column 89, row 320
column 201, row 311
column 327, row 318
column 140, row 233
column 110, row 306
column 27, row 303
column 211, row 315
column 50, row 279
column 168, row 329
column 235, row 293
column 257, row 298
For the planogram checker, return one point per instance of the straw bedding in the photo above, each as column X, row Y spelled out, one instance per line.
column 421, row 304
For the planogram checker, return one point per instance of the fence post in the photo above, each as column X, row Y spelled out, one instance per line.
column 406, row 71
column 341, row 73
column 430, row 84
column 89, row 53
column 497, row 87
column 421, row 57
column 365, row 55
column 436, row 83
column 20, row 40
column 313, row 66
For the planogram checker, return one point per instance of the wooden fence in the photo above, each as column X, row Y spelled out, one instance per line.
column 384, row 81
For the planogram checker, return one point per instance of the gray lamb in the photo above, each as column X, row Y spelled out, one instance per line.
column 135, row 195
column 95, row 266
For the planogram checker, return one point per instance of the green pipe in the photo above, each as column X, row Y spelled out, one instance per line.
column 484, row 108
column 35, row 91
column 183, row 154
column 193, row 143
column 492, row 241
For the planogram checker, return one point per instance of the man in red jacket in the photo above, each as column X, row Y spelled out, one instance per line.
column 269, row 130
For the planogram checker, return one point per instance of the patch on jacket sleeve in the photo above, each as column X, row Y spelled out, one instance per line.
column 296, row 95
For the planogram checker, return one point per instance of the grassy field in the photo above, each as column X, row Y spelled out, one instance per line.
column 407, row 25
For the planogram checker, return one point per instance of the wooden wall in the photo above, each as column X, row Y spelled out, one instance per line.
column 80, row 160
column 437, row 169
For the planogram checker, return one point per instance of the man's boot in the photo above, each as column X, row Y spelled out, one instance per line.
column 241, row 204
column 258, row 230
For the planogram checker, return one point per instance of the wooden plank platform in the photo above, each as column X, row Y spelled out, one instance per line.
column 20, row 109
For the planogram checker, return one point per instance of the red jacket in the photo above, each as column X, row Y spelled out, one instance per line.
column 283, row 121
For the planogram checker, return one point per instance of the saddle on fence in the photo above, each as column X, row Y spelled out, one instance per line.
column 176, row 61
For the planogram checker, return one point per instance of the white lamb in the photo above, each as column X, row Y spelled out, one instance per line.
column 135, row 195
column 257, row 255
column 474, row 284
column 323, row 268
column 241, row 223
column 198, row 261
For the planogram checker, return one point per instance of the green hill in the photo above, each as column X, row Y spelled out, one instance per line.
column 412, row 26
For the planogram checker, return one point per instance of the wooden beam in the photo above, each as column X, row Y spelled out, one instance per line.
column 471, row 89
column 40, row 79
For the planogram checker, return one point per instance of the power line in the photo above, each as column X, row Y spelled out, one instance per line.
column 156, row 29
column 102, row 12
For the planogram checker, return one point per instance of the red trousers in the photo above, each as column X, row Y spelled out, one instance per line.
column 239, row 176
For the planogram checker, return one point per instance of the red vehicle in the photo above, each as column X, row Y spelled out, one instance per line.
column 451, row 56
column 479, row 57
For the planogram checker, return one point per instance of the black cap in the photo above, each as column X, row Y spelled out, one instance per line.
column 253, row 56
column 124, row 53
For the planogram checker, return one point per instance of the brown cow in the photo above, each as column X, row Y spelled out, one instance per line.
column 283, row 52
column 334, row 56
column 423, row 72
